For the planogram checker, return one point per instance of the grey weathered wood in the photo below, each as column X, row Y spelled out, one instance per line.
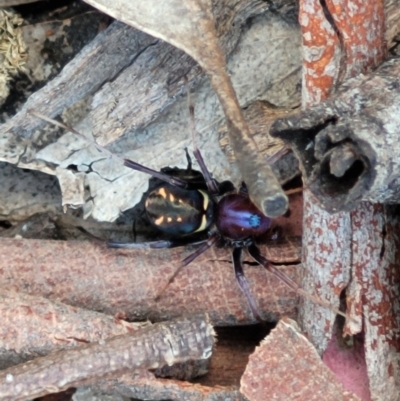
column 154, row 346
column 348, row 144
column 25, row 193
column 143, row 105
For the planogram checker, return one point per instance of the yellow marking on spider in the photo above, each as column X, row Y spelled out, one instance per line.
column 206, row 199
column 203, row 224
column 171, row 197
column 159, row 221
column 162, row 193
column 179, row 219
column 169, row 219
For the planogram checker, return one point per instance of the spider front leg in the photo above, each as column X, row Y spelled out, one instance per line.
column 243, row 284
column 212, row 184
column 256, row 255
column 161, row 244
column 189, row 259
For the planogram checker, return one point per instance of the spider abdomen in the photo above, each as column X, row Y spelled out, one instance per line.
column 238, row 218
column 178, row 211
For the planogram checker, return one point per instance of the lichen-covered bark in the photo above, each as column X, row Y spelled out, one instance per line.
column 327, row 259
column 330, row 67
column 320, row 50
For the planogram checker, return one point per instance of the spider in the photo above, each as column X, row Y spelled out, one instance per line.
column 191, row 207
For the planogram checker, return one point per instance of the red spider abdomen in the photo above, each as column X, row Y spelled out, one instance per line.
column 238, row 218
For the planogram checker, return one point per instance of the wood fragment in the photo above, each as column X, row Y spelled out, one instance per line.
column 282, row 356
column 259, row 117
column 34, row 326
column 150, row 388
column 320, row 47
column 348, row 144
column 124, row 47
column 327, row 255
column 152, row 347
column 374, row 296
column 94, row 277
column 222, row 381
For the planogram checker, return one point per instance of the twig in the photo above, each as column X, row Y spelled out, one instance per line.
column 155, row 346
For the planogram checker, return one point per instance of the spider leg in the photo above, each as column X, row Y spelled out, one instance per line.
column 211, row 183
column 189, row 160
column 206, row 244
column 159, row 174
column 256, row 255
column 147, row 245
column 243, row 284
column 260, row 259
column 213, row 187
column 155, row 244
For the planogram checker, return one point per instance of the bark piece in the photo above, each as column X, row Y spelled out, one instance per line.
column 282, row 356
column 224, row 369
column 222, row 381
column 158, row 345
column 321, row 48
column 150, row 388
column 112, row 281
column 375, row 294
column 25, row 193
column 33, row 326
column 122, row 48
column 347, row 145
column 259, row 117
column 327, row 255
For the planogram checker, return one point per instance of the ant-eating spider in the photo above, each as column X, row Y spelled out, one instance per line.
column 193, row 208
